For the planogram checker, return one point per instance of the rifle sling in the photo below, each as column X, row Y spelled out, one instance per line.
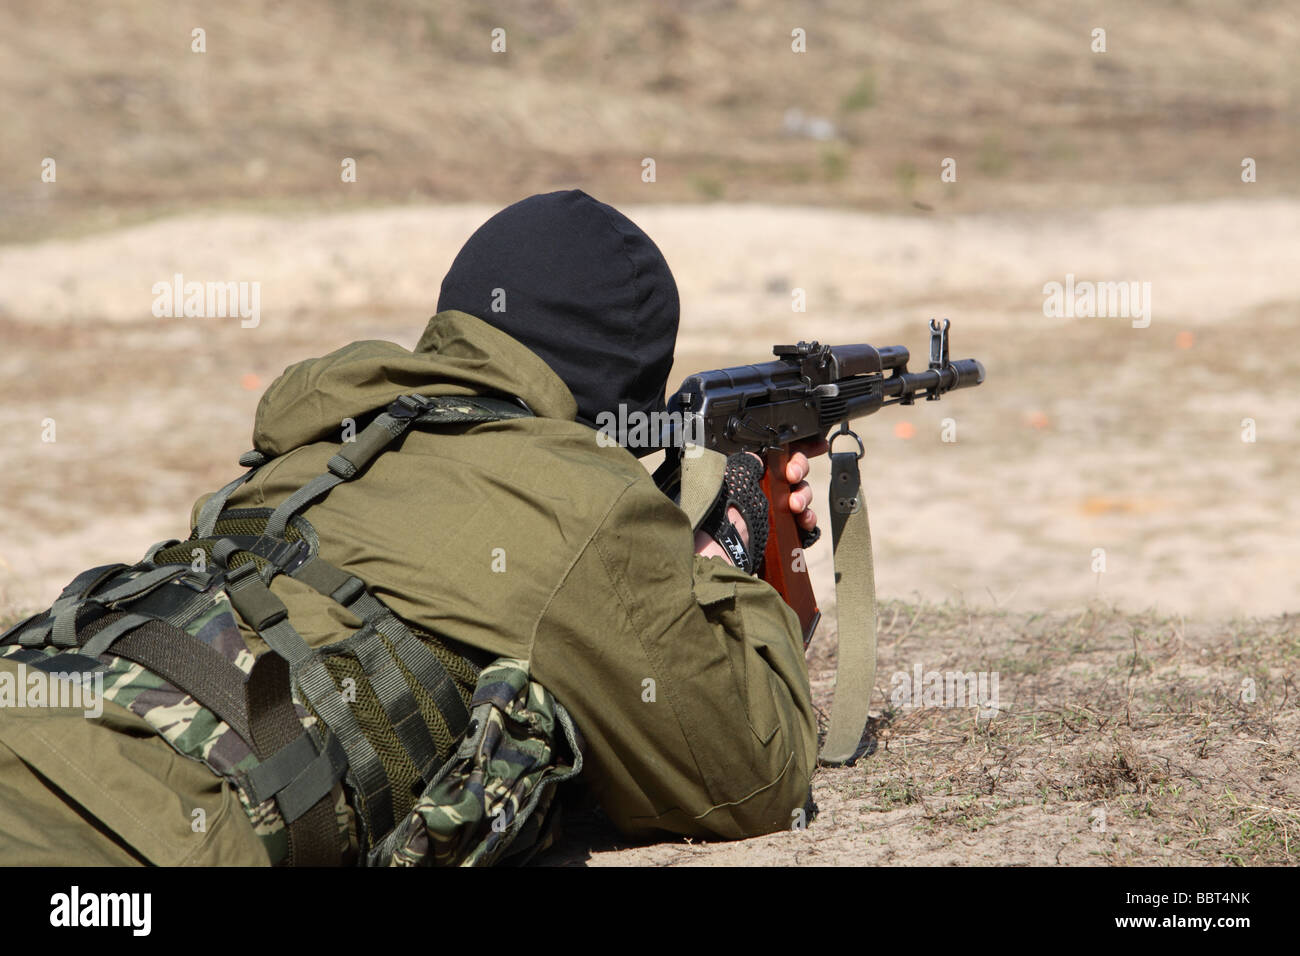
column 855, row 590
column 855, row 612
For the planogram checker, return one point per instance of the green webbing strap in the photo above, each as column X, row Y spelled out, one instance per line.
column 419, row 660
column 213, row 507
column 191, row 665
column 855, row 598
column 329, row 580
column 21, row 632
column 224, row 548
column 350, row 459
column 69, row 599
column 410, row 650
column 155, row 548
column 367, row 769
column 64, row 626
column 389, row 685
column 65, row 617
column 353, row 456
column 103, row 639
column 278, row 772
column 278, row 769
column 86, row 582
column 259, row 608
column 311, row 776
column 140, row 583
column 406, row 647
column 256, row 605
column 290, row 766
column 374, row 438
column 279, row 519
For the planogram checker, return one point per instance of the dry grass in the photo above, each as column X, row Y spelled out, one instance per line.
column 1098, row 755
column 140, row 126
column 1130, row 719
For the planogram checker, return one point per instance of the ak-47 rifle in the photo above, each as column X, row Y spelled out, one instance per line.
column 806, row 392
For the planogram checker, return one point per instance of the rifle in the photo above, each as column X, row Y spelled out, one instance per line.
column 805, row 393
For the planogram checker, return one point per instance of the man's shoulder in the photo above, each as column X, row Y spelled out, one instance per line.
column 576, row 452
column 606, row 483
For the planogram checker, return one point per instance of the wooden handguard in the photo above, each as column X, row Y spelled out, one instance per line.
column 785, row 566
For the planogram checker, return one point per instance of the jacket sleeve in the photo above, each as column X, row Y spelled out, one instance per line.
column 685, row 676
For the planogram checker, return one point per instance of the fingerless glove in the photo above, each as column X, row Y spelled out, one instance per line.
column 742, row 490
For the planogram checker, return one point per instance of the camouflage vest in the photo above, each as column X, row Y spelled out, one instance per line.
column 387, row 746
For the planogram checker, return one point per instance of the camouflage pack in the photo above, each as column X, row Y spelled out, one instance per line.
column 382, row 744
column 493, row 800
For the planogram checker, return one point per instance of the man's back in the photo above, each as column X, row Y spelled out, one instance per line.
column 523, row 538
column 528, row 539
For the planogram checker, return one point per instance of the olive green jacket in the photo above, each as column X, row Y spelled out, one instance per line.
column 528, row 539
column 524, row 538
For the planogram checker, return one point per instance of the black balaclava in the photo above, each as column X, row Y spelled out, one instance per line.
column 583, row 287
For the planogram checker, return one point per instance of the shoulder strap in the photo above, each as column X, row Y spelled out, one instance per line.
column 855, row 589
column 384, row 646
column 855, row 612
column 389, row 425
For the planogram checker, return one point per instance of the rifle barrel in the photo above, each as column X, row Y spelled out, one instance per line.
column 963, row 373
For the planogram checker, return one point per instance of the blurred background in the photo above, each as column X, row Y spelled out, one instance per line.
column 1169, row 156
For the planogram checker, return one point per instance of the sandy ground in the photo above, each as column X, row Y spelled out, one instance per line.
column 1122, row 688
column 1118, row 740
column 1089, row 433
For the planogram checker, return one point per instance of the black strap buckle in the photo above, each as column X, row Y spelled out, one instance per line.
column 349, row 591
column 284, row 555
column 409, row 406
column 234, row 576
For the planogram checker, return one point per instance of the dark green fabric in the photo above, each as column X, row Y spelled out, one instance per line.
column 523, row 539
column 109, row 791
column 600, row 591
column 302, row 779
